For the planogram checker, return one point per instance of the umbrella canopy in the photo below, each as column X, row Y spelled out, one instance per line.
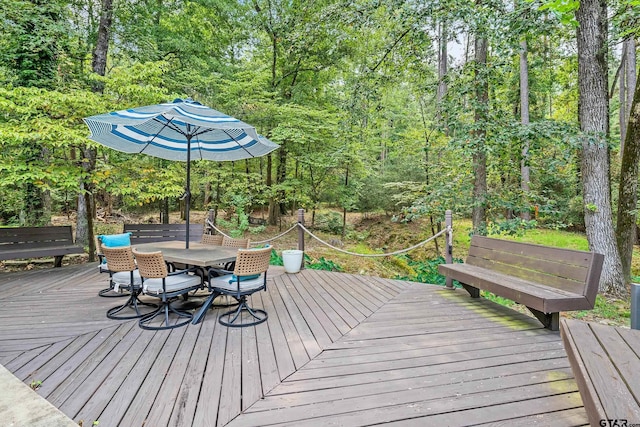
column 181, row 130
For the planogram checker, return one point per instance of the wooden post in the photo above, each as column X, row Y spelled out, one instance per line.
column 448, row 255
column 211, row 217
column 301, row 235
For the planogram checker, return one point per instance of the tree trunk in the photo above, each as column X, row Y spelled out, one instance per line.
column 593, row 110
column 524, row 119
column 84, row 221
column 82, row 226
column 627, row 86
column 622, row 115
column 479, row 214
column 628, row 191
column 442, row 69
column 272, row 217
column 99, row 60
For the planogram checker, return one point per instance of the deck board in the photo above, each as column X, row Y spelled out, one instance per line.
column 337, row 349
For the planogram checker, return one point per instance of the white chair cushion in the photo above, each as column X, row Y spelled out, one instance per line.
column 173, row 283
column 222, row 282
column 123, row 278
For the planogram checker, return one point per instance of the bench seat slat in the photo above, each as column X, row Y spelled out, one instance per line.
column 36, row 252
column 622, row 355
column 569, row 278
column 549, row 253
column 535, row 295
column 605, row 370
column 525, row 261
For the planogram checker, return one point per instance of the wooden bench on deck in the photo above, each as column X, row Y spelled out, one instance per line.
column 151, row 233
column 545, row 279
column 606, row 363
column 37, row 242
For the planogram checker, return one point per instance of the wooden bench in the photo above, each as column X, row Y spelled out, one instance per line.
column 606, row 363
column 546, row 280
column 151, row 233
column 36, row 242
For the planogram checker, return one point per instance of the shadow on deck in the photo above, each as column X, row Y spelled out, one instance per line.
column 338, row 349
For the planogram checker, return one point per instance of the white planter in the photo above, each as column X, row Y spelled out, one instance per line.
column 292, row 260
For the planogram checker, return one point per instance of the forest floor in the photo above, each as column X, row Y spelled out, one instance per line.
column 365, row 234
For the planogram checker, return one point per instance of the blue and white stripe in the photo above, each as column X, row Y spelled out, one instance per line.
column 161, row 131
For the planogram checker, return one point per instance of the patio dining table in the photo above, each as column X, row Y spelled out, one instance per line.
column 198, row 254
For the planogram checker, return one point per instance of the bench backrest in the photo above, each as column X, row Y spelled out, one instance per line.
column 571, row 270
column 150, row 233
column 35, row 237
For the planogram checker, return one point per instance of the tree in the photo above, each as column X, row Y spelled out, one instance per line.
column 86, row 203
column 524, row 119
column 593, row 110
column 628, row 189
column 479, row 215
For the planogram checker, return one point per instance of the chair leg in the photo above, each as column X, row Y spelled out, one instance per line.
column 133, row 303
column 258, row 314
column 164, row 310
column 110, row 293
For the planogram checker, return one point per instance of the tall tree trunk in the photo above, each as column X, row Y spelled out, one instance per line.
column 442, row 69
column 628, row 191
column 627, row 86
column 622, row 116
column 273, row 215
column 99, row 59
column 84, row 222
column 479, row 214
column 593, row 110
column 524, row 119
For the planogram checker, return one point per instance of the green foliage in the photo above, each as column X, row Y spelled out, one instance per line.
column 330, row 222
column 321, row 264
column 425, row 271
column 618, row 311
column 276, row 259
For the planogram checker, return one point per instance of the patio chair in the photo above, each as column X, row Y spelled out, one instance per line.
column 234, row 243
column 158, row 282
column 124, row 275
column 110, row 240
column 212, row 239
column 249, row 276
column 103, row 267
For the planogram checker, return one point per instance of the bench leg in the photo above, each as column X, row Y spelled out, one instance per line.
column 473, row 291
column 549, row 320
column 58, row 261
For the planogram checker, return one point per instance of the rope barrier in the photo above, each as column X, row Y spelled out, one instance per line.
column 448, row 230
column 253, row 243
column 210, row 224
column 401, row 251
column 274, row 238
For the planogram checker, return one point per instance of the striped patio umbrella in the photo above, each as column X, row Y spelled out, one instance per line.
column 181, row 130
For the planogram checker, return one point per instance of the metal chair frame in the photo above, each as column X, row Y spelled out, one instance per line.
column 248, row 262
column 120, row 259
column 152, row 266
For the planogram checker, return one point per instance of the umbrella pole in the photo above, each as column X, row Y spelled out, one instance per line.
column 188, row 189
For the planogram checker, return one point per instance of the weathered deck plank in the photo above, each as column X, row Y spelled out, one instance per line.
column 337, row 348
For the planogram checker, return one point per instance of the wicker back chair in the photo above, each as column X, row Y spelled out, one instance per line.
column 124, row 275
column 157, row 281
column 236, row 243
column 249, row 276
column 212, row 239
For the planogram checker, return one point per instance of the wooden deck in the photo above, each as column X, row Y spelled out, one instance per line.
column 338, row 349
